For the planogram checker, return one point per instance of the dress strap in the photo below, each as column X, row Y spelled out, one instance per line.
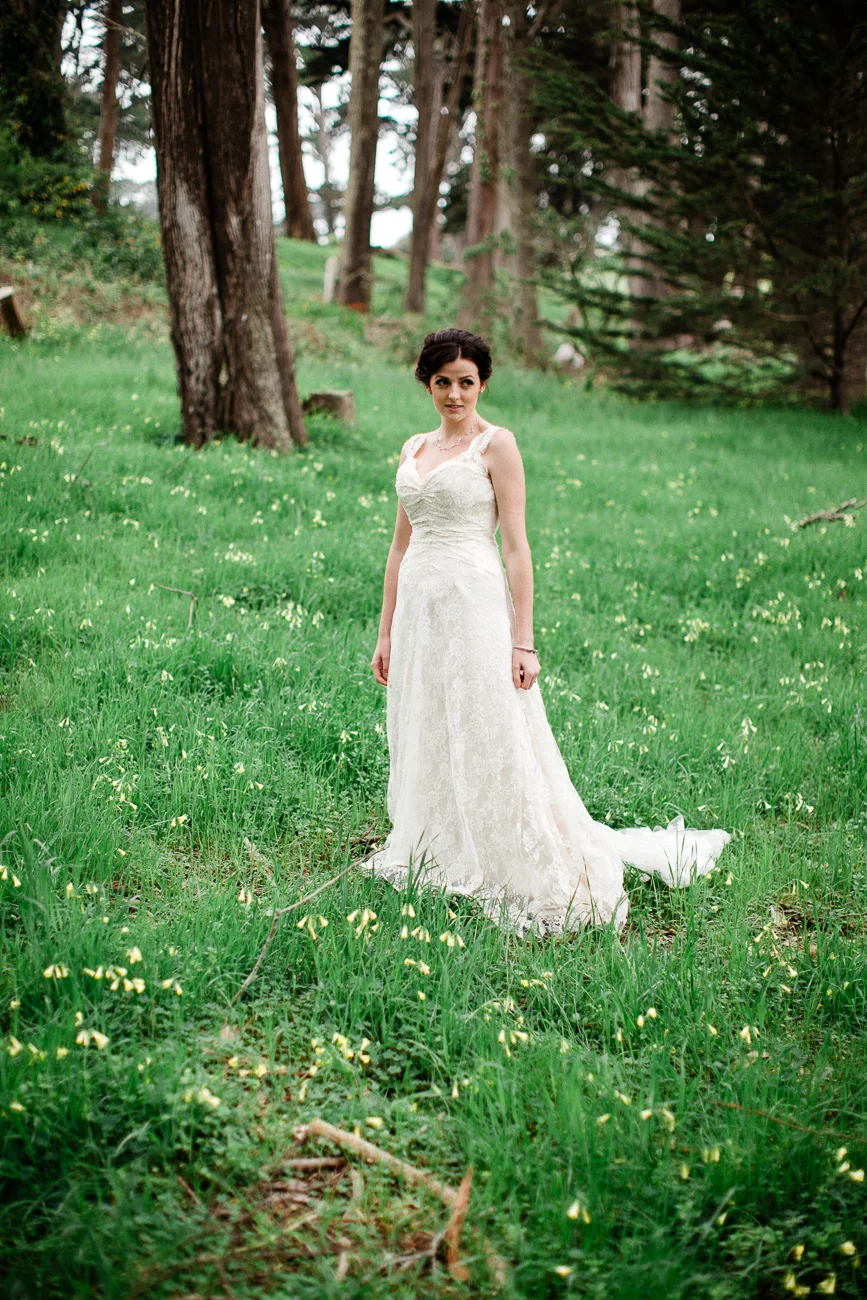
column 480, row 442
column 415, row 442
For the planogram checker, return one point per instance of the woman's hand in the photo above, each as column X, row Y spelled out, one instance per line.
column 525, row 669
column 379, row 662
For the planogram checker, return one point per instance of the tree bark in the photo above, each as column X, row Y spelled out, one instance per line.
column 477, row 306
column 365, row 56
column 848, row 385
column 425, row 206
column 424, row 80
column 108, row 101
column 658, row 115
column 234, row 358
column 277, row 22
column 625, row 68
column 519, row 192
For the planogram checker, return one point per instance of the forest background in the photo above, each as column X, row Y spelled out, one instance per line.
column 658, row 215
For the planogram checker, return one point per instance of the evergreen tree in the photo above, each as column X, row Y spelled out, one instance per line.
column 749, row 205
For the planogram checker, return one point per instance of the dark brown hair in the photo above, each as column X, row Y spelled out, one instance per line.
column 450, row 345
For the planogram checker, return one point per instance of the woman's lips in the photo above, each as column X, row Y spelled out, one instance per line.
column 454, row 408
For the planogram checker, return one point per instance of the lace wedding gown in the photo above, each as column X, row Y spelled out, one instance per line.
column 480, row 799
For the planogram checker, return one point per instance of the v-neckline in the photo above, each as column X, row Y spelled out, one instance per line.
column 424, row 478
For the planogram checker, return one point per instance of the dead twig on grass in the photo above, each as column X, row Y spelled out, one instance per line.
column 194, row 600
column 455, row 1225
column 308, row 1164
column 284, row 911
column 834, row 515
column 77, row 473
column 789, row 1123
column 319, row 1128
column 189, row 1190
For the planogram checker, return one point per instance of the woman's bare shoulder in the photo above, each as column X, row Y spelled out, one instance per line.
column 502, row 445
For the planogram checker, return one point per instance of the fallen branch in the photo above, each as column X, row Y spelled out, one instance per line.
column 426, row 1256
column 194, row 600
column 319, row 1128
column 789, row 1123
column 307, row 1164
column 77, row 473
column 284, row 911
column 189, row 1191
column 455, row 1224
column 834, row 515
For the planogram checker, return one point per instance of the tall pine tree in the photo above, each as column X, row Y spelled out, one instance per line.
column 746, row 203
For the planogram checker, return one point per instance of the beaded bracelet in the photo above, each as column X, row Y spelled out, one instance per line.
column 527, row 648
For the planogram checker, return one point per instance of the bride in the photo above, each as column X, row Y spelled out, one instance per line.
column 479, row 797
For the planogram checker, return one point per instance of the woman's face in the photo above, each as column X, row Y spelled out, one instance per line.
column 455, row 389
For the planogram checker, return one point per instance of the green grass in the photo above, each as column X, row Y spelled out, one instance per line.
column 698, row 657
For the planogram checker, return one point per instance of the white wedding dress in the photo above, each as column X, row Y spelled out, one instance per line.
column 479, row 797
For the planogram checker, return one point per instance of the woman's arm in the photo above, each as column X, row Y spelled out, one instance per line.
column 506, row 468
column 399, row 543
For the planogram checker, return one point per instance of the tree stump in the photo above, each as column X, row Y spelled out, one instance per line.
column 10, row 312
column 338, row 402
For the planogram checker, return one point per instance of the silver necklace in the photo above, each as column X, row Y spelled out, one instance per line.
column 448, row 446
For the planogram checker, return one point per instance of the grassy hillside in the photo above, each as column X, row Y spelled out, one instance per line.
column 663, row 1115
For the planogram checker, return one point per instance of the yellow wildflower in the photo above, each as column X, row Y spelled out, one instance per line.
column 14, row 1046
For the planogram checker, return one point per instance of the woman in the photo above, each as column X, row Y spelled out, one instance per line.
column 479, row 797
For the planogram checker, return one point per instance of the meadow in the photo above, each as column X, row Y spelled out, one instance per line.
column 678, row 1112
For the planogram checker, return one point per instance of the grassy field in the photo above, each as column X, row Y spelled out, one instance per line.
column 663, row 1115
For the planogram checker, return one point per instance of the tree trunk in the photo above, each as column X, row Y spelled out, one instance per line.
column 434, row 238
column 425, row 234
column 322, row 144
column 234, row 359
column 477, row 305
column 32, row 90
column 848, row 385
column 365, row 56
column 424, row 69
column 108, row 102
column 277, row 22
column 519, row 186
column 658, row 115
column 625, row 67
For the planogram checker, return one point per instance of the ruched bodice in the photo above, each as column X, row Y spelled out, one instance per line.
column 453, row 500
column 480, row 799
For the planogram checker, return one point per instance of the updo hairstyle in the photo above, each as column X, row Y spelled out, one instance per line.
column 450, row 345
